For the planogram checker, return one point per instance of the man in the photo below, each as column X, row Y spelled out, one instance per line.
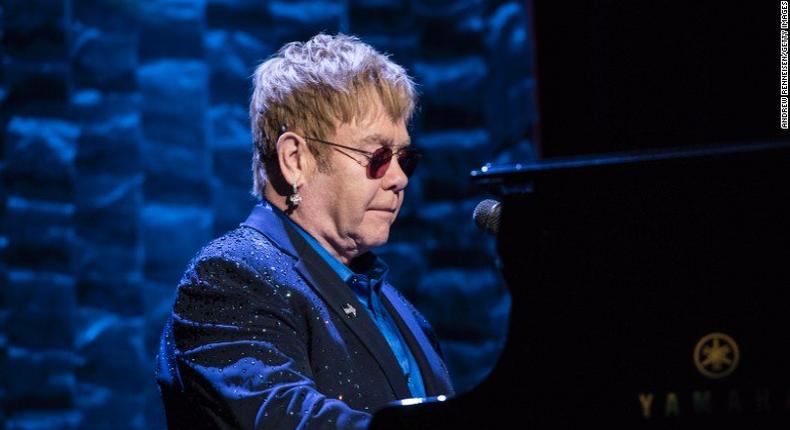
column 288, row 321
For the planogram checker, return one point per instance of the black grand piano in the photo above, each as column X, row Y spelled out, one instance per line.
column 648, row 252
column 647, row 290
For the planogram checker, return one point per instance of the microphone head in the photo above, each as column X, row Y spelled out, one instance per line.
column 486, row 216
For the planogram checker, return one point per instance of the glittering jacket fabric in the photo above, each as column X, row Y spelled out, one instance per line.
column 262, row 336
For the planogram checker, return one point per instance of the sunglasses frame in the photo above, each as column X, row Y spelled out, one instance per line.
column 370, row 155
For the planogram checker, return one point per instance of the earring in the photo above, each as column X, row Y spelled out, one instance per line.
column 295, row 198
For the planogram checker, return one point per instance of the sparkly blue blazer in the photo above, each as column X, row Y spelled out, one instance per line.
column 262, row 336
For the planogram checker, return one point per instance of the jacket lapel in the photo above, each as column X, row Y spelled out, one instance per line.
column 338, row 295
column 323, row 279
column 434, row 373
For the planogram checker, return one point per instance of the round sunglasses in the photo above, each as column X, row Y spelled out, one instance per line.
column 379, row 160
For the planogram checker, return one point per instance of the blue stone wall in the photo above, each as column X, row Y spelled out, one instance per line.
column 125, row 148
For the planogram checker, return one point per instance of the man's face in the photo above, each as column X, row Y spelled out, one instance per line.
column 350, row 210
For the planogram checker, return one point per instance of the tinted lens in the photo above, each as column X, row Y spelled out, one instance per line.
column 408, row 158
column 379, row 162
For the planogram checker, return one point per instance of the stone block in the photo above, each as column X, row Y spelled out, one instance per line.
column 3, row 250
column 448, row 158
column 44, row 378
column 447, row 235
column 105, row 111
column 311, row 14
column 177, row 189
column 389, row 19
column 100, row 405
column 30, row 15
column 34, row 80
column 3, row 197
column 414, row 197
column 277, row 22
column 232, row 167
column 171, row 29
column 35, row 29
column 116, row 149
column 38, row 302
column 171, row 160
column 105, row 60
column 402, row 49
column 109, row 15
column 121, row 292
column 230, row 127
column 250, row 16
column 388, row 4
column 110, row 140
column 4, row 313
column 109, row 263
column 159, row 298
column 510, row 103
column 434, row 116
column 237, row 6
column 479, row 295
column 469, row 363
column 29, row 82
column 232, row 56
column 407, row 266
column 507, row 38
column 231, row 205
column 458, row 82
column 441, row 38
column 166, row 147
column 511, row 110
column 172, row 235
column 521, row 151
column 40, row 234
column 112, row 351
column 154, row 410
column 3, row 344
column 109, row 275
column 44, row 420
column 412, row 229
column 175, row 101
column 108, row 208
column 166, row 12
column 447, row 10
column 40, row 157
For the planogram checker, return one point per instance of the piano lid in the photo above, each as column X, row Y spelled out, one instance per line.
column 516, row 178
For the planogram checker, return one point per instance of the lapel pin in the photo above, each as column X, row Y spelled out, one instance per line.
column 350, row 311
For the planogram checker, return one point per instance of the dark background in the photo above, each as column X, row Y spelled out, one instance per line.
column 638, row 75
column 125, row 148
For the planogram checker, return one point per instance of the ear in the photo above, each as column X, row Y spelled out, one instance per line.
column 294, row 158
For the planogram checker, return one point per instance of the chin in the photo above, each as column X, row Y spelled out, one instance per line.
column 378, row 242
column 376, row 239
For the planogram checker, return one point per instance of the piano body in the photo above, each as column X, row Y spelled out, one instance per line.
column 619, row 266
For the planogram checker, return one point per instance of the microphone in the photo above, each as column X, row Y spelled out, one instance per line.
column 487, row 214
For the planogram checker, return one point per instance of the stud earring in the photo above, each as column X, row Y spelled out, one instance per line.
column 295, row 198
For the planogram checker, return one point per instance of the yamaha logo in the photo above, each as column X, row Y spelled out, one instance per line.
column 716, row 355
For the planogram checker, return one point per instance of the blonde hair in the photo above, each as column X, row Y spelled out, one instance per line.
column 314, row 85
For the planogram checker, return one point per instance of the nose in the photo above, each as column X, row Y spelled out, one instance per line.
column 394, row 179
